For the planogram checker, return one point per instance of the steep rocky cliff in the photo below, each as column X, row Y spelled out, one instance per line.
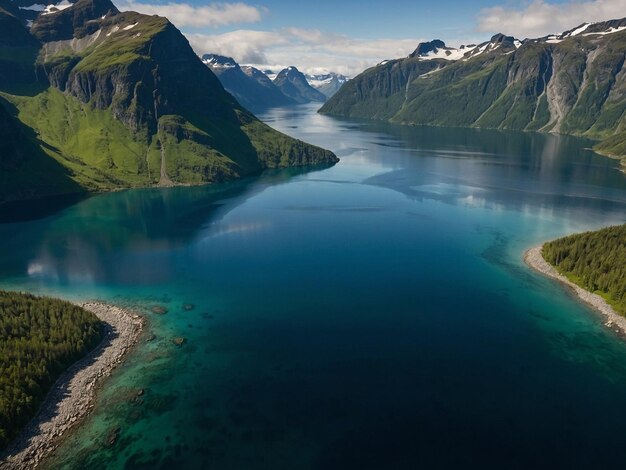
column 573, row 83
column 121, row 100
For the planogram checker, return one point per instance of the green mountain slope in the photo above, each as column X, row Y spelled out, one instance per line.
column 121, row 100
column 574, row 83
column 26, row 170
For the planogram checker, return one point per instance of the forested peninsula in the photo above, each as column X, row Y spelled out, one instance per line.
column 595, row 261
column 40, row 338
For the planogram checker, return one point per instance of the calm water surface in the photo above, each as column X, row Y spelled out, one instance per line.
column 376, row 314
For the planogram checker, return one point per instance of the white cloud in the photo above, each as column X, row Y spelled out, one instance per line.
column 539, row 18
column 184, row 14
column 311, row 50
column 245, row 46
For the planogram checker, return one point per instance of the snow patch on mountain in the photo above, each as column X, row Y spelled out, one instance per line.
column 449, row 53
column 609, row 31
column 317, row 81
column 55, row 8
column 219, row 61
column 578, row 30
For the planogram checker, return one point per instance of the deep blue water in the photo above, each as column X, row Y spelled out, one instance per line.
column 376, row 314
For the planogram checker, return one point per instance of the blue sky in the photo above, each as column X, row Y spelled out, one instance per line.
column 348, row 36
column 372, row 19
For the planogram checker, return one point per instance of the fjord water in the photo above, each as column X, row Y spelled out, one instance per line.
column 376, row 314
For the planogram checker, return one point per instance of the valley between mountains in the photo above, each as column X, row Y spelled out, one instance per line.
column 91, row 98
column 94, row 99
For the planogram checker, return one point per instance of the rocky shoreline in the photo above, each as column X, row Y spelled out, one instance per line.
column 72, row 396
column 535, row 260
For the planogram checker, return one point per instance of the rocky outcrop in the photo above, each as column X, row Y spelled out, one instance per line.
column 423, row 48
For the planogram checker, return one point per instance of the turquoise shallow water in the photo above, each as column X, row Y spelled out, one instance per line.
column 376, row 314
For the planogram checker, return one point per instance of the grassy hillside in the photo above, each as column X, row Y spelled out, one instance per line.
column 26, row 167
column 39, row 339
column 595, row 261
column 117, row 100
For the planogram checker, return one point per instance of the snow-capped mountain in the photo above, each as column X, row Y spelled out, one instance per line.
column 294, row 84
column 328, row 83
column 437, row 49
column 568, row 83
column 252, row 88
column 29, row 10
column 585, row 30
column 271, row 74
column 219, row 61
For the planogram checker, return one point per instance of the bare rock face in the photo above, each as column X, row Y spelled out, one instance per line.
column 423, row 48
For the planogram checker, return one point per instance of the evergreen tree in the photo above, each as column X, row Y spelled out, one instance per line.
column 39, row 339
column 595, row 261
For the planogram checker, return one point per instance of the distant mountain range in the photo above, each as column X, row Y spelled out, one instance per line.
column 251, row 87
column 293, row 84
column 570, row 83
column 328, row 83
column 258, row 90
column 92, row 98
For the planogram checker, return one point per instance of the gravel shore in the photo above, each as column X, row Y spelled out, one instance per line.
column 535, row 260
column 72, row 396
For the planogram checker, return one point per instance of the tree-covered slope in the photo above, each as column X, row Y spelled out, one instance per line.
column 595, row 261
column 39, row 339
column 574, row 83
column 121, row 100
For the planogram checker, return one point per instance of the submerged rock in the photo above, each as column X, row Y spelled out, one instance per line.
column 137, row 399
column 112, row 436
column 179, row 341
column 159, row 310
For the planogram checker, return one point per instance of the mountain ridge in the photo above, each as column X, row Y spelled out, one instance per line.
column 105, row 103
column 251, row 87
column 327, row 83
column 294, row 84
column 572, row 83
